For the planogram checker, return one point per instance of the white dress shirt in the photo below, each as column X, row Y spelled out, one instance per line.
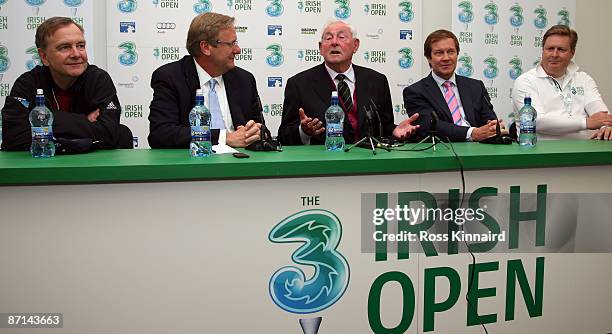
column 204, row 77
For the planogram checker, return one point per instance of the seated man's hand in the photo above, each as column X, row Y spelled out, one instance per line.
column 604, row 133
column 311, row 127
column 598, row 120
column 406, row 128
column 244, row 135
column 93, row 116
column 486, row 131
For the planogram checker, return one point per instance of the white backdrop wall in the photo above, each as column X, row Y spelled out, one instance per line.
column 278, row 39
column 500, row 40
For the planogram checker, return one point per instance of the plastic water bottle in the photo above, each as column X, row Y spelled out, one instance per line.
column 199, row 119
column 527, row 124
column 41, row 123
column 334, row 120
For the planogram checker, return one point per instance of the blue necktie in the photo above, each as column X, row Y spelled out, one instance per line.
column 216, row 121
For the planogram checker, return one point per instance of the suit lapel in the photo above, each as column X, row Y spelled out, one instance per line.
column 191, row 76
column 232, row 91
column 466, row 102
column 435, row 94
column 323, row 84
column 362, row 86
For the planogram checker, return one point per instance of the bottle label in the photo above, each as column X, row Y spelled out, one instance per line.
column 334, row 130
column 200, row 133
column 42, row 133
column 528, row 129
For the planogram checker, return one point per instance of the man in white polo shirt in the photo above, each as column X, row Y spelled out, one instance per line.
column 567, row 100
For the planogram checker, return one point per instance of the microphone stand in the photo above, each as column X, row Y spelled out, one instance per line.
column 433, row 133
column 373, row 142
column 498, row 139
column 266, row 143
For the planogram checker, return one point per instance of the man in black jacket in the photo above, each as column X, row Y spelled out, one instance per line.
column 82, row 96
column 230, row 92
column 307, row 95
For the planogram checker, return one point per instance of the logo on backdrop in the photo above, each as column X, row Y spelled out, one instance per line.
column 244, row 5
column 490, row 72
column 276, row 58
column 162, row 27
column 491, row 17
column 73, row 5
column 310, row 55
column 245, row 54
column 309, row 6
column 275, row 82
column 406, row 60
column 319, row 233
column 516, row 16
column 127, row 27
column 540, row 21
column 2, row 2
column 35, row 60
column 343, row 11
column 166, row 53
column 127, row 6
column 466, row 15
column 129, row 56
column 166, row 4
column 275, row 30
column 274, row 109
column 564, row 17
column 465, row 68
column 202, row 6
column 5, row 62
column 406, row 13
column 375, row 56
column 515, row 68
column 375, row 9
column 406, row 34
column 275, row 8
column 35, row 5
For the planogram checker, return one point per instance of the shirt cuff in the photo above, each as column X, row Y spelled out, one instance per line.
column 469, row 134
column 305, row 138
column 222, row 137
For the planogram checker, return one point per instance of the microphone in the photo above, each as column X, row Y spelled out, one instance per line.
column 265, row 143
column 498, row 139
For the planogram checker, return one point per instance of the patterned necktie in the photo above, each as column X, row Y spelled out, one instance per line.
column 451, row 101
column 347, row 102
column 216, row 118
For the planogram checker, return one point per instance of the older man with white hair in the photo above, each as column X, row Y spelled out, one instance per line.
column 307, row 94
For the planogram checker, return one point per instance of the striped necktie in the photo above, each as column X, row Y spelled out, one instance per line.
column 451, row 101
column 347, row 102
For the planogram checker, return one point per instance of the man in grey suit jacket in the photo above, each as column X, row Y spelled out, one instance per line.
column 212, row 45
column 472, row 117
column 307, row 94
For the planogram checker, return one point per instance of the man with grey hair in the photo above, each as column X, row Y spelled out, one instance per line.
column 307, row 94
column 230, row 92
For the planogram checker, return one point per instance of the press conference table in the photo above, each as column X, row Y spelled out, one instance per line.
column 154, row 241
column 147, row 165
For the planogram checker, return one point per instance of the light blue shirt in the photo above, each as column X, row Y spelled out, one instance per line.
column 440, row 82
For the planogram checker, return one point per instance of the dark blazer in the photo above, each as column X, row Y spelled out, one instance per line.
column 94, row 89
column 174, row 87
column 425, row 96
column 311, row 90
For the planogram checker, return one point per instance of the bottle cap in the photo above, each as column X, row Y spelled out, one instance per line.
column 527, row 100
column 39, row 91
column 334, row 93
column 199, row 92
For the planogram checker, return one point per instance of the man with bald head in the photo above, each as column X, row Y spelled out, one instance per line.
column 307, row 94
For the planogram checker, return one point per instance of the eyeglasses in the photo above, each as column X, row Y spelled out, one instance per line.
column 230, row 44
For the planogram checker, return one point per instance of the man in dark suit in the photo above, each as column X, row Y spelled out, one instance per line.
column 230, row 92
column 307, row 94
column 462, row 104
